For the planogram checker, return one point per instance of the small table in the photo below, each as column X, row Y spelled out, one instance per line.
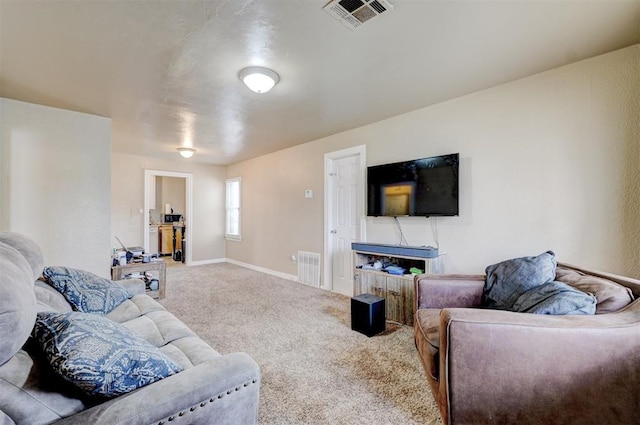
column 159, row 266
column 368, row 314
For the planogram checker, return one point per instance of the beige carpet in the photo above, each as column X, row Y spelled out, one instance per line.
column 315, row 369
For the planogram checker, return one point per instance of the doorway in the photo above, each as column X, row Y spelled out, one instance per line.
column 344, row 215
column 149, row 202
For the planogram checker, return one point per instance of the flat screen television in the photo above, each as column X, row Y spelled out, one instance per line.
column 422, row 187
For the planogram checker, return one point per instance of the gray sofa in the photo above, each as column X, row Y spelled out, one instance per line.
column 211, row 388
column 488, row 366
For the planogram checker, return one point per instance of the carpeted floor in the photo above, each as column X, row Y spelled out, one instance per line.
column 315, row 369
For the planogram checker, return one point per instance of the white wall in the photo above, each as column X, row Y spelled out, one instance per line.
column 127, row 177
column 55, row 183
column 550, row 161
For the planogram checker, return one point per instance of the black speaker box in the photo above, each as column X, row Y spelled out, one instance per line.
column 368, row 314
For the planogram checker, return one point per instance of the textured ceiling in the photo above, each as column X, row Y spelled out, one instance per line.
column 166, row 71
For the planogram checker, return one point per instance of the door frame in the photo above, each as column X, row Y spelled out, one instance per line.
column 188, row 216
column 329, row 203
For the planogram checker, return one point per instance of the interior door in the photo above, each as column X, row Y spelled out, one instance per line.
column 345, row 216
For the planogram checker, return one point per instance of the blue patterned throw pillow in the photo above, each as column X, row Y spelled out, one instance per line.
column 85, row 291
column 99, row 356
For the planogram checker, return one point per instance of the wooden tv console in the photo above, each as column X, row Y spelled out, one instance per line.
column 397, row 290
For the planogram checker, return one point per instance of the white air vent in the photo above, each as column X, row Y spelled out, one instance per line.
column 309, row 268
column 353, row 13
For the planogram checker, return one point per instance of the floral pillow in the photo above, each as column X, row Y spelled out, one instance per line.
column 99, row 356
column 85, row 291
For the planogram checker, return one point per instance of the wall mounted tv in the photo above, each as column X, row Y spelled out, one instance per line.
column 422, row 187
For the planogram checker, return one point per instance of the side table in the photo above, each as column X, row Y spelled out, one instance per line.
column 159, row 267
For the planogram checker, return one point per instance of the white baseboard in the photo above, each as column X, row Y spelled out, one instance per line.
column 263, row 270
column 203, row 262
column 247, row 266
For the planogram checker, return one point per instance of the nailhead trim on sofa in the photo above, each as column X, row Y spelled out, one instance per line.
column 204, row 403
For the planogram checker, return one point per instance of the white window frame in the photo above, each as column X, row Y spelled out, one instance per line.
column 228, row 208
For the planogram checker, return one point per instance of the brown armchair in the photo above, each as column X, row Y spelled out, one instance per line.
column 500, row 367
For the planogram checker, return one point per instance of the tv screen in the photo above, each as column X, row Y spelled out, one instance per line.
column 422, row 187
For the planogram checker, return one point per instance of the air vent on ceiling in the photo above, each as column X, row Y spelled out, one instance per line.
column 353, row 13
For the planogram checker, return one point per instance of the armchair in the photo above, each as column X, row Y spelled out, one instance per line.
column 500, row 367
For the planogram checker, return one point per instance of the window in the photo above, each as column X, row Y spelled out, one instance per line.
column 232, row 228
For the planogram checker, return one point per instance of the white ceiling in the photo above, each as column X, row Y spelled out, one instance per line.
column 165, row 71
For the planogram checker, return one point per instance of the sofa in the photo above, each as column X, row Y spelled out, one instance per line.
column 491, row 366
column 200, row 386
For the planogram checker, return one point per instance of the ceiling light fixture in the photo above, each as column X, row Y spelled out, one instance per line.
column 259, row 79
column 186, row 152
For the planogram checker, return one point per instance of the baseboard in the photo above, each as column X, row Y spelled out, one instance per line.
column 203, row 262
column 286, row 276
column 263, row 270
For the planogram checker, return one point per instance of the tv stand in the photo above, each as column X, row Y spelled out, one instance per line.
column 397, row 290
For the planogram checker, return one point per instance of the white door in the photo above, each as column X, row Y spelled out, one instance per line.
column 345, row 213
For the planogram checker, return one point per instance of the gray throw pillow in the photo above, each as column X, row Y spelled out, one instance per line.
column 85, row 291
column 555, row 298
column 509, row 279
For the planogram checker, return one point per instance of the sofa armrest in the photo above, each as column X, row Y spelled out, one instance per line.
column 134, row 286
column 5, row 419
column 442, row 290
column 505, row 367
column 224, row 390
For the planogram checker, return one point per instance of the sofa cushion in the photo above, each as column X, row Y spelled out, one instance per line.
column 85, row 291
column 28, row 248
column 99, row 356
column 555, row 298
column 509, row 279
column 49, row 299
column 611, row 296
column 427, row 328
column 149, row 320
column 17, row 301
column 30, row 393
column 134, row 307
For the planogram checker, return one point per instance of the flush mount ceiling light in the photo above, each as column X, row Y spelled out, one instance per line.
column 186, row 152
column 259, row 79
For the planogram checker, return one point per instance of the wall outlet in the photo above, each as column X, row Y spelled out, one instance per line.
column 308, row 193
